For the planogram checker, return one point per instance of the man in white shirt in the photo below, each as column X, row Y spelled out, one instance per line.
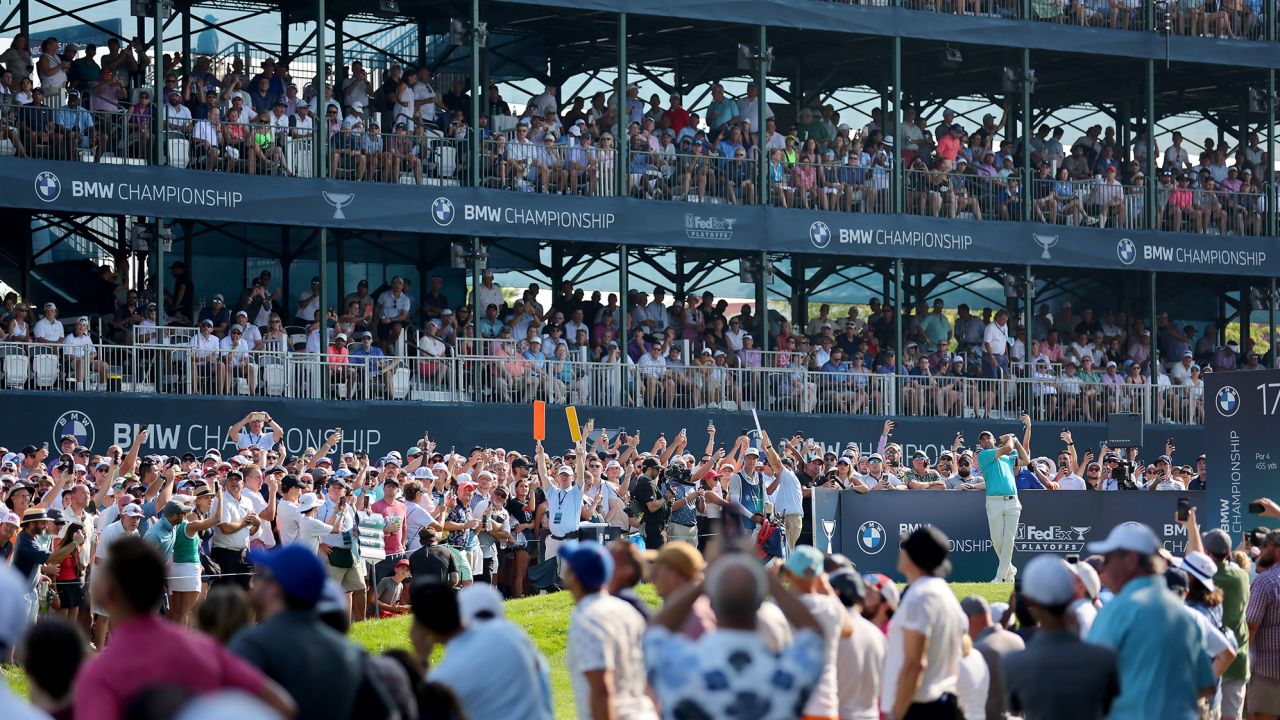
column 393, row 313
column 304, row 122
column 803, row 572
column 606, row 663
column 207, row 373
column 177, row 116
column 205, row 141
column 48, row 329
column 231, row 536
column 995, row 339
column 288, row 517
column 922, row 662
column 490, row 292
column 425, row 100
column 788, row 500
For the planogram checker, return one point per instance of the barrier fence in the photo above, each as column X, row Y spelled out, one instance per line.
column 191, row 364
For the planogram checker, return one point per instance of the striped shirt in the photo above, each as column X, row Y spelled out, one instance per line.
column 1264, row 611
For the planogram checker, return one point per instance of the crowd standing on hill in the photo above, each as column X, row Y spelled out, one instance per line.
column 139, row 585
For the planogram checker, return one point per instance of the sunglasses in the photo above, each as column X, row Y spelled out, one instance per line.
column 875, row 462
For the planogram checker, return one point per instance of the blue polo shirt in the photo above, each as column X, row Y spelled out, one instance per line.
column 1160, row 650
column 160, row 536
column 997, row 471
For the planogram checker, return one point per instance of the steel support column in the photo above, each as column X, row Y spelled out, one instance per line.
column 158, row 249
column 1271, row 138
column 897, row 312
column 1028, row 305
column 1152, row 372
column 624, row 331
column 476, row 87
column 897, row 203
column 799, row 293
column 322, row 236
column 320, row 140
column 762, row 307
column 762, row 155
column 186, row 45
column 157, row 86
column 1024, row 161
column 28, row 252
column 619, row 139
column 1151, row 184
column 340, row 258
column 339, row 65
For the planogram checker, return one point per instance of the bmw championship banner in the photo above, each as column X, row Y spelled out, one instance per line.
column 1242, row 445
column 1061, row 523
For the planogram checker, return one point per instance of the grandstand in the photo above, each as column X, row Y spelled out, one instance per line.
column 1039, row 158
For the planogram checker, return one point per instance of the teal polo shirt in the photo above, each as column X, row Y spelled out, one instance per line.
column 1160, row 650
column 997, row 471
column 160, row 536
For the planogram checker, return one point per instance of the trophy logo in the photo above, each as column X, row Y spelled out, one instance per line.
column 338, row 201
column 1045, row 242
column 829, row 528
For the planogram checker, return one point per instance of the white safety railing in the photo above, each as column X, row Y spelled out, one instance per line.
column 207, row 366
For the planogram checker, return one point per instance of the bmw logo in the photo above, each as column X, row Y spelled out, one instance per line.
column 819, row 234
column 48, row 187
column 1227, row 401
column 1127, row 251
column 871, row 537
column 73, row 422
column 442, row 211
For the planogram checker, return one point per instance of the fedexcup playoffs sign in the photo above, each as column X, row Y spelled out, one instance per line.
column 1242, row 445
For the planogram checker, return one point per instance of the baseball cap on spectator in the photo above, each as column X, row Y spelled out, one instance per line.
column 296, row 569
column 132, row 510
column 1129, row 537
column 1199, row 566
column 479, row 601
column 804, row 561
column 290, row 482
column 975, row 605
column 927, row 547
column 1048, row 581
column 1177, row 580
column 424, row 473
column 1216, row 542
column 752, row 451
column 178, row 505
column 882, row 584
column 589, row 562
column 681, row 557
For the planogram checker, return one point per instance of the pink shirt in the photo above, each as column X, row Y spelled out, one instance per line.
column 395, row 541
column 149, row 651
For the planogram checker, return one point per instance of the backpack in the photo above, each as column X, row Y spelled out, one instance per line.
column 770, row 539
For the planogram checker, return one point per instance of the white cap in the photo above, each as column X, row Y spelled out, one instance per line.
column 1088, row 578
column 752, row 451
column 307, row 502
column 1048, row 580
column 998, row 610
column 613, row 464
column 132, row 510
column 424, row 473
column 1130, row 536
column 13, row 607
column 11, row 518
column 564, row 470
column 476, row 599
column 1199, row 566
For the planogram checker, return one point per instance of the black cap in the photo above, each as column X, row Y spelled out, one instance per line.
column 649, row 463
column 848, row 586
column 290, row 482
column 928, row 548
column 519, row 463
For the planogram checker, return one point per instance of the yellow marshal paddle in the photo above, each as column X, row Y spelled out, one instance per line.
column 575, row 430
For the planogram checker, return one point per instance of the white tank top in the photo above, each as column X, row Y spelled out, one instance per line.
column 55, row 81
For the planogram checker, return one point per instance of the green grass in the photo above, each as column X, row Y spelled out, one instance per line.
column 546, row 619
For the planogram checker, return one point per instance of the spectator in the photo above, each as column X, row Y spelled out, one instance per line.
column 1162, row 669
column 1263, row 618
column 1057, row 675
column 923, row 659
column 146, row 650
column 995, row 644
column 293, row 648
column 770, row 684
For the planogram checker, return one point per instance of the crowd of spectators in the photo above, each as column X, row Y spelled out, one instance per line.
column 696, row 351
column 400, row 127
column 136, row 584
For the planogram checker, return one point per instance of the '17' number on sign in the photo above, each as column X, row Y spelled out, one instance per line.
column 1275, row 403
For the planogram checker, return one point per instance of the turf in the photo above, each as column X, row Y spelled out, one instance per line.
column 545, row 618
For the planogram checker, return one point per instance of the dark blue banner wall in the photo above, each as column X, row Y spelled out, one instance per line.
column 179, row 424
column 869, row 526
column 1242, row 427
column 191, row 194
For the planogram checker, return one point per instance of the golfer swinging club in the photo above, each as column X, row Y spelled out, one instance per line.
column 998, row 464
